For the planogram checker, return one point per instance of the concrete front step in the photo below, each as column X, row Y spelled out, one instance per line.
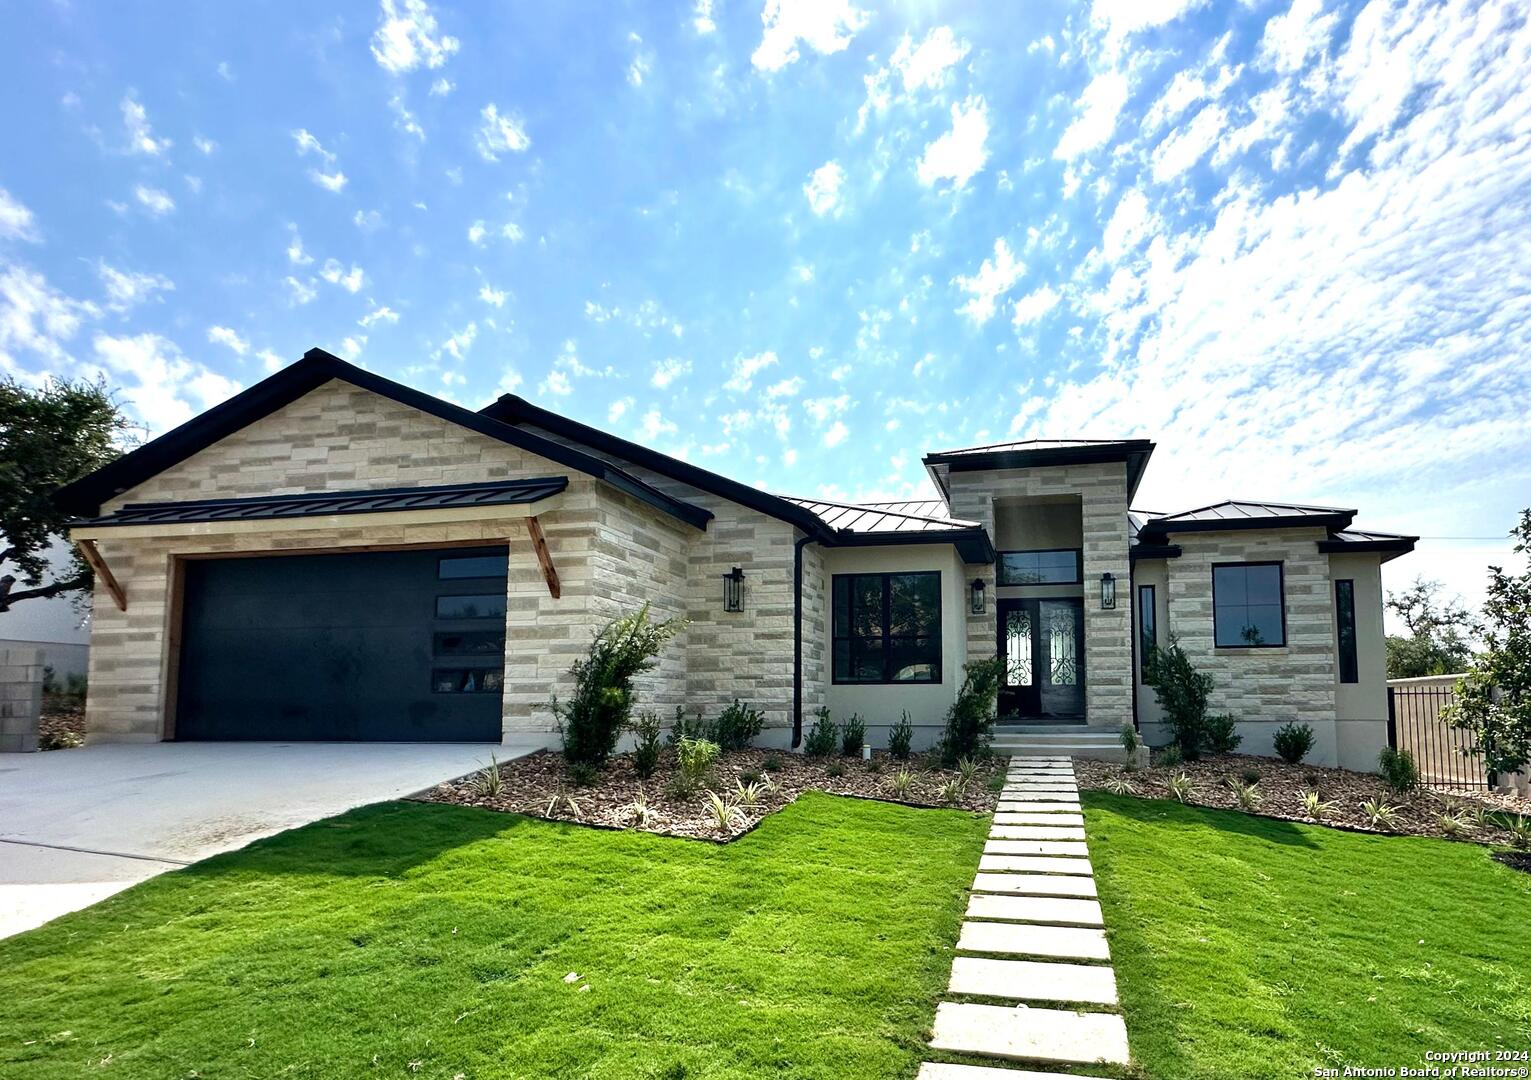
column 1026, row 806
column 1032, row 816
column 999, row 846
column 1034, row 864
column 1026, row 1034
column 932, row 1070
column 1031, row 980
column 1035, row 832
column 1035, row 909
column 1013, row 884
column 1028, row 939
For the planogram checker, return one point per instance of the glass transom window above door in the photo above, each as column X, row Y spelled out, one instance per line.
column 1057, row 566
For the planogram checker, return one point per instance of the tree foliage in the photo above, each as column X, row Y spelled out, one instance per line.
column 49, row 436
column 1493, row 701
column 1182, row 692
column 970, row 719
column 1437, row 642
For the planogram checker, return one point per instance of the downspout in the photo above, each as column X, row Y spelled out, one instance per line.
column 797, row 638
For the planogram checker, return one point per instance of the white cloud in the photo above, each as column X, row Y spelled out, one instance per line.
column 1294, row 36
column 336, row 274
column 655, row 425
column 141, row 138
column 407, row 38
column 351, row 347
column 154, row 200
column 335, row 181
column 500, row 134
column 270, row 360
column 383, row 313
column 458, row 344
column 823, row 188
column 928, row 65
column 825, row 26
column 442, row 87
column 223, row 335
column 668, row 370
column 476, row 233
column 159, row 384
column 1185, row 147
column 204, row 145
column 35, row 317
column 701, row 17
column 995, row 277
column 1119, row 19
column 641, row 64
column 301, row 292
column 1034, row 305
column 367, row 220
column 1130, row 222
column 1098, row 109
column 512, row 232
column 556, row 382
column 492, row 296
column 836, row 434
column 960, row 153
column 16, row 221
column 746, row 368
column 824, row 409
column 617, row 409
column 307, row 143
column 786, row 388
column 295, row 252
column 126, row 290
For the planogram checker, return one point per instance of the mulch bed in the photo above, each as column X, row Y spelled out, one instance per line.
column 1515, row 860
column 539, row 785
column 1281, row 787
column 61, row 725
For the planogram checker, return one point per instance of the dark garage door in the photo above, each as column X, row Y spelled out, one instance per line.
column 396, row 645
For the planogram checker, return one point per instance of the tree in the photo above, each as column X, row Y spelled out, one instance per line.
column 49, row 436
column 1437, row 643
column 1182, row 692
column 1493, row 701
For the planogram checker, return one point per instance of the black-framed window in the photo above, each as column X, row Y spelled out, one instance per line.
column 886, row 628
column 483, row 680
column 472, row 606
column 1248, row 609
column 1052, row 566
column 1148, row 630
column 1345, row 617
column 473, row 566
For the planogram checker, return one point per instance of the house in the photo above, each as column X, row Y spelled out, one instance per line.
column 332, row 555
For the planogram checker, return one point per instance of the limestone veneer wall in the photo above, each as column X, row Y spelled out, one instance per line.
column 1102, row 492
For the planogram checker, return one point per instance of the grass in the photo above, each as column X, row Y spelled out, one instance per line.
column 406, row 940
column 1253, row 948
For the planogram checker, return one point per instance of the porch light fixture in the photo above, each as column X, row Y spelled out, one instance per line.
column 1107, row 591
column 977, row 607
column 733, row 590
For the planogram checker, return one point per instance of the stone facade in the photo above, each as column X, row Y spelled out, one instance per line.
column 21, row 698
column 1102, row 492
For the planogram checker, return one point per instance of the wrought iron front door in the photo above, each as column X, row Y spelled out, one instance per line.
column 1042, row 644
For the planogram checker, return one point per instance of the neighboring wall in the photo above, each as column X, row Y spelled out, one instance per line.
column 880, row 705
column 1102, row 492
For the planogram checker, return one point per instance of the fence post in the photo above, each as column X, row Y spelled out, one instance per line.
column 1392, row 718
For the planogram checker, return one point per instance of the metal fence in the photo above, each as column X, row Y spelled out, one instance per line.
column 1414, row 724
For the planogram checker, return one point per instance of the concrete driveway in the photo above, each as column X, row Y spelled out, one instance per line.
column 79, row 825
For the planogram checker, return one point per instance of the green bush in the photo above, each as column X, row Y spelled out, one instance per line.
column 689, row 726
column 824, row 737
column 852, row 735
column 595, row 716
column 694, row 759
column 1221, row 736
column 1167, row 757
column 970, row 719
column 647, row 730
column 737, row 726
column 1397, row 769
column 1182, row 692
column 834, row 769
column 1129, row 737
column 900, row 737
column 582, row 773
column 1293, row 742
column 772, row 763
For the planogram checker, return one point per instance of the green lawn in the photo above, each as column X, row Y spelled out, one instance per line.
column 1250, row 948
column 406, row 940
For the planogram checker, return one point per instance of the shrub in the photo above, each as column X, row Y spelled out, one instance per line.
column 1129, row 737
column 1182, row 692
column 967, row 771
column 689, row 727
column 852, row 736
column 1168, row 756
column 1248, row 797
column 772, row 763
column 749, row 776
column 737, row 726
column 59, row 739
column 1250, row 776
column 488, row 783
column 874, row 766
column 1314, row 806
column 1181, row 787
column 951, row 792
column 725, row 813
column 1293, row 742
column 582, row 773
column 900, row 736
column 823, row 737
column 1397, row 769
column 593, row 718
column 647, row 730
column 1450, row 825
column 1519, row 828
column 1221, row 736
column 694, row 759
column 970, row 719
column 902, row 783
column 834, row 769
column 747, row 795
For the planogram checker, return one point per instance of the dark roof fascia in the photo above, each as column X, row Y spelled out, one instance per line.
column 371, row 500
column 1134, row 452
column 1159, row 528
column 318, row 367
column 513, row 409
column 1392, row 547
column 972, row 544
column 1153, row 551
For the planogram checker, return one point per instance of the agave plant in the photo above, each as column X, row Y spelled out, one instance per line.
column 747, row 795
column 562, row 802
column 638, row 812
column 903, row 783
column 1181, row 787
column 1451, row 825
column 1381, row 814
column 488, row 783
column 725, row 812
column 1120, row 785
column 1314, row 805
column 950, row 793
column 967, row 770
column 1248, row 796
column 1519, row 828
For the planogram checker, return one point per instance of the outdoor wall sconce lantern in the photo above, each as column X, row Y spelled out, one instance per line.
column 733, row 590
column 977, row 596
column 1107, row 591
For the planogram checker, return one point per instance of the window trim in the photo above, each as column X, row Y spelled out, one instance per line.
column 1353, row 668
column 1280, row 589
column 1153, row 609
column 999, row 567
column 887, row 638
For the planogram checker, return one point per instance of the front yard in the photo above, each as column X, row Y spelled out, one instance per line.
column 1254, row 948
column 409, row 940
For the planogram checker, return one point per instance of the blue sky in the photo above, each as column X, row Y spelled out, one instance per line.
column 803, row 243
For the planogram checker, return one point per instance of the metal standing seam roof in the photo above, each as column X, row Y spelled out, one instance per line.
column 1235, row 510
column 1022, row 445
column 880, row 517
column 327, row 503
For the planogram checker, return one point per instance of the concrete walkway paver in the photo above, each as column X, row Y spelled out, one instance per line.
column 1034, row 896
